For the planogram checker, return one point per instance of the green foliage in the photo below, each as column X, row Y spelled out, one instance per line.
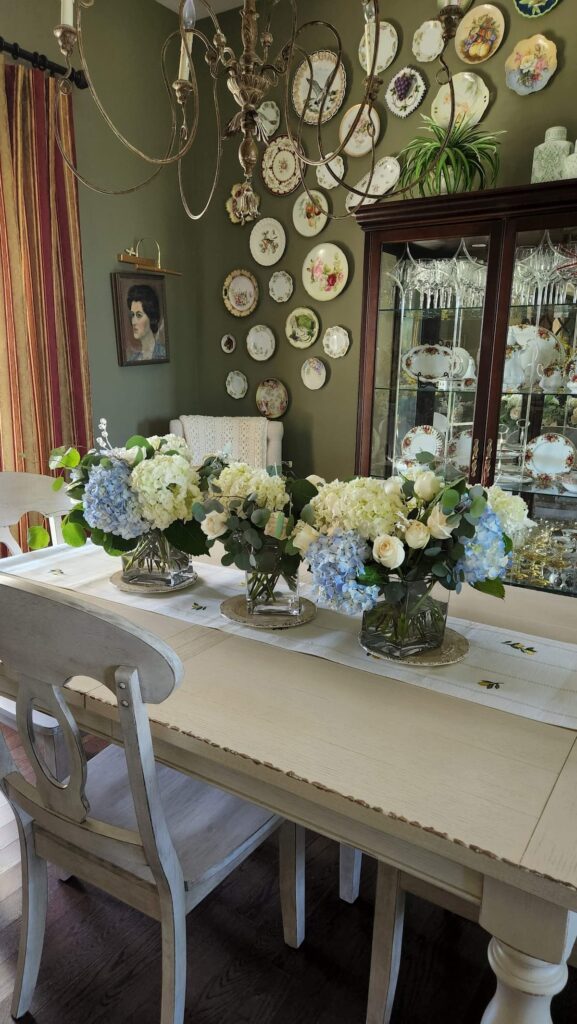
column 187, row 537
column 73, row 534
column 470, row 159
column 494, row 588
column 38, row 537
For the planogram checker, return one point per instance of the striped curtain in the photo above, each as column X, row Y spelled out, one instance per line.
column 44, row 377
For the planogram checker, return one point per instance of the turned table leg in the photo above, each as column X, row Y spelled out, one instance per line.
column 525, row 987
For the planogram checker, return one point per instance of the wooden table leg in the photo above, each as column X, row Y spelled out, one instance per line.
column 525, row 987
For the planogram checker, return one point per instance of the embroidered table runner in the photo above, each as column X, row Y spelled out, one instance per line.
column 524, row 675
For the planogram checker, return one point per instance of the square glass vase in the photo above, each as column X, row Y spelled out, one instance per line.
column 269, row 593
column 403, row 628
column 155, row 564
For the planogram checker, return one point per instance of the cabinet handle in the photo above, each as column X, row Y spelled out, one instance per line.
column 475, row 457
column 487, row 463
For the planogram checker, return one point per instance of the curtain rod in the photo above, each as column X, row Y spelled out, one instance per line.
column 40, row 61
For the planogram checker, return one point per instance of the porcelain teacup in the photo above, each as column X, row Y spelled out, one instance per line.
column 550, row 377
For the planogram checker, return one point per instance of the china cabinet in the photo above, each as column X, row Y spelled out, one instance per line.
column 469, row 350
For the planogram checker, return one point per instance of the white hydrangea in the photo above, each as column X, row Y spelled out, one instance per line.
column 362, row 504
column 512, row 513
column 173, row 443
column 166, row 487
column 239, row 480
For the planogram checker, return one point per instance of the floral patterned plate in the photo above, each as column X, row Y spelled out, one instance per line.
column 431, row 362
column 406, row 91
column 310, row 213
column 228, row 343
column 534, row 8
column 260, row 343
column 240, row 293
column 550, row 455
column 272, row 398
column 267, row 241
column 365, row 135
column 531, row 65
column 336, row 342
column 281, row 286
column 325, row 272
column 313, row 374
column 480, row 34
column 323, row 64
column 236, row 384
column 421, row 439
column 428, row 41
column 302, row 327
column 281, row 168
column 388, row 46
column 460, row 448
column 471, row 100
column 324, row 176
column 385, row 176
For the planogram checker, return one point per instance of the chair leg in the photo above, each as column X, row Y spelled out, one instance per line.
column 387, row 942
column 292, row 882
column 350, row 861
column 173, row 924
column 34, row 903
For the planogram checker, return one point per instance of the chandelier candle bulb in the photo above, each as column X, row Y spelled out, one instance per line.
column 183, row 67
column 67, row 12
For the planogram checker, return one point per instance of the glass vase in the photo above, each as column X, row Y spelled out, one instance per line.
column 270, row 593
column 155, row 565
column 409, row 625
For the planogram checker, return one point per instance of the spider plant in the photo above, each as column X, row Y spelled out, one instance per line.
column 469, row 160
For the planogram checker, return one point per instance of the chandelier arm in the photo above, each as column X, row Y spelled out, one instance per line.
column 215, row 180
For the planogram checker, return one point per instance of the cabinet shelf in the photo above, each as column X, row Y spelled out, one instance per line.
column 408, row 389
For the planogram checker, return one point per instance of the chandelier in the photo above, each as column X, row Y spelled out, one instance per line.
column 249, row 78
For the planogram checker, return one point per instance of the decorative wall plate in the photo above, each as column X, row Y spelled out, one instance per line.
column 240, row 292
column 531, row 65
column 534, row 8
column 232, row 205
column 325, row 178
column 480, row 34
column 313, row 374
column 281, row 286
column 260, row 343
column 323, row 64
column 459, row 450
column 365, row 134
column 388, row 46
column 302, row 327
column 310, row 213
column 471, row 100
column 269, row 118
column 336, row 342
column 236, row 384
column 428, row 41
column 421, row 439
column 406, row 91
column 272, row 398
column 267, row 241
column 385, row 176
column 228, row 343
column 431, row 362
column 550, row 455
column 281, row 167
column 325, row 272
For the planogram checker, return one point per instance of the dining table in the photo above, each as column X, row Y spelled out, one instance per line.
column 462, row 796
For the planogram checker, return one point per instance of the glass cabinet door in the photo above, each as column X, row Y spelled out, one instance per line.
column 537, row 443
column 429, row 330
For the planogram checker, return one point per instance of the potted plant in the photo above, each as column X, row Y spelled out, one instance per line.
column 469, row 160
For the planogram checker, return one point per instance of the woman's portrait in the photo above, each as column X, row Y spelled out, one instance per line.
column 140, row 317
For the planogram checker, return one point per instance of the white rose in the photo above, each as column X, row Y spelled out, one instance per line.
column 417, row 535
column 389, row 551
column 437, row 523
column 303, row 537
column 427, row 485
column 394, row 485
column 316, row 481
column 214, row 524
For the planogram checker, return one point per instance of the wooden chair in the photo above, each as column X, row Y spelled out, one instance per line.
column 152, row 837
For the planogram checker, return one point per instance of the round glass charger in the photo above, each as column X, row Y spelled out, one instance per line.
column 454, row 648
column 150, row 588
column 234, row 608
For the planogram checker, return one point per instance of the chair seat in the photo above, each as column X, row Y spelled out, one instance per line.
column 209, row 827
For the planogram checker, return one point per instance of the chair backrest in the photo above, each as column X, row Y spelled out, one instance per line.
column 29, row 492
column 46, row 638
column 239, row 436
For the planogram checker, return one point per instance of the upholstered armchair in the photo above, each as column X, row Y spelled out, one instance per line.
column 251, row 439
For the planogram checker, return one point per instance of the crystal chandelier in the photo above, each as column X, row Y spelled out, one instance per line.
column 249, row 78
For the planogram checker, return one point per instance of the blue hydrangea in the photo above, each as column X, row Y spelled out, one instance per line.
column 335, row 562
column 485, row 557
column 110, row 505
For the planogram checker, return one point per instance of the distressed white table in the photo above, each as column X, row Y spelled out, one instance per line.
column 478, row 802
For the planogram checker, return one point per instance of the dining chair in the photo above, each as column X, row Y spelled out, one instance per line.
column 148, row 835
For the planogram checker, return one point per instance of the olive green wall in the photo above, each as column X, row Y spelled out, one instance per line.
column 320, row 427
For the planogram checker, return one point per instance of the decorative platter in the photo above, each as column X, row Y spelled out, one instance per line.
column 236, row 384
column 325, row 272
column 459, row 450
column 310, row 213
column 272, row 398
column 281, row 286
column 336, row 342
column 267, row 241
column 385, row 176
column 302, row 327
column 323, row 64
column 431, row 362
column 550, row 455
column 388, row 46
column 232, row 205
column 421, row 439
column 471, row 100
column 454, row 648
column 268, row 115
column 406, row 91
column 228, row 343
column 281, row 169
column 260, row 343
column 428, row 41
column 325, row 178
column 240, row 292
column 531, row 65
column 235, row 608
column 535, row 8
column 313, row 374
column 365, row 135
column 480, row 34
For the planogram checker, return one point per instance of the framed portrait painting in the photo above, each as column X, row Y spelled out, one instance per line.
column 139, row 302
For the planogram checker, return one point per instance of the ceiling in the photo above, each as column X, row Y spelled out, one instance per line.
column 217, row 6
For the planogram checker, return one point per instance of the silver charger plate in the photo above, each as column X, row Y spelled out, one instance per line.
column 234, row 608
column 150, row 588
column 454, row 648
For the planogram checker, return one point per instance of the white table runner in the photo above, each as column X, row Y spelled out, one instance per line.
column 524, row 675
